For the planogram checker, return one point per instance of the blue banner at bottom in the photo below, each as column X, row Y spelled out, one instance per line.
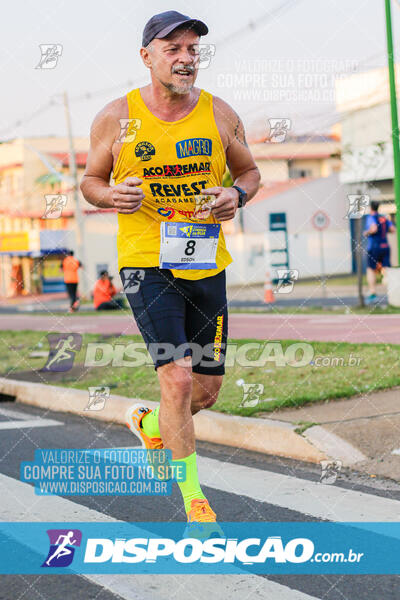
column 254, row 547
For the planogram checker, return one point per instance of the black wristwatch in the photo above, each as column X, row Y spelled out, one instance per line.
column 242, row 196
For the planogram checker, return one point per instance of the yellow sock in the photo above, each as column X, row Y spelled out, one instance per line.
column 190, row 488
column 149, row 424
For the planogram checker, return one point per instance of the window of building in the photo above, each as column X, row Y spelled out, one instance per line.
column 299, row 173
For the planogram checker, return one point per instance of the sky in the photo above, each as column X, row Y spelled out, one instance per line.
column 272, row 58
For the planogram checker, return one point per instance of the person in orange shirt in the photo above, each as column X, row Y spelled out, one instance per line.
column 70, row 266
column 104, row 292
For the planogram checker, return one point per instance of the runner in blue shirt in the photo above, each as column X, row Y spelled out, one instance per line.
column 378, row 249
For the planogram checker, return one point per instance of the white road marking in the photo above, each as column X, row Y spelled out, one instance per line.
column 310, row 498
column 28, row 424
column 15, row 414
column 19, row 503
column 396, row 451
column 197, row 587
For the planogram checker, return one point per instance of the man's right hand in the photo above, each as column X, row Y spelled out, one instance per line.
column 127, row 196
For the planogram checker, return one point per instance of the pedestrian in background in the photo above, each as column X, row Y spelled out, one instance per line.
column 378, row 249
column 104, row 292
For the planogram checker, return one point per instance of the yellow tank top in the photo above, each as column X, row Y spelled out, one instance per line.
column 175, row 160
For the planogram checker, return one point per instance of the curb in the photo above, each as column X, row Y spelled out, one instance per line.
column 333, row 445
column 259, row 435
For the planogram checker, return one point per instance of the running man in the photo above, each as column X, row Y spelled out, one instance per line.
column 378, row 249
column 64, row 349
column 62, row 549
column 70, row 267
column 181, row 300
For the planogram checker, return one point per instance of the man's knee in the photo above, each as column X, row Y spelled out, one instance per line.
column 206, row 393
column 176, row 382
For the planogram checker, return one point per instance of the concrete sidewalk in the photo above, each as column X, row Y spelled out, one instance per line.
column 368, row 426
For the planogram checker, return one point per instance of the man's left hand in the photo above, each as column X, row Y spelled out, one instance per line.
column 226, row 204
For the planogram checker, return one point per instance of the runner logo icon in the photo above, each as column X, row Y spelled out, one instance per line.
column 62, row 547
column 131, row 279
column 62, row 351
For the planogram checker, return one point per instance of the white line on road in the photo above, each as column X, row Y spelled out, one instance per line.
column 311, row 498
column 198, row 587
column 29, row 424
column 15, row 414
column 308, row 497
column 19, row 503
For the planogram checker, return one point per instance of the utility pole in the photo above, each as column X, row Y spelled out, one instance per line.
column 359, row 255
column 395, row 122
column 322, row 258
column 80, row 226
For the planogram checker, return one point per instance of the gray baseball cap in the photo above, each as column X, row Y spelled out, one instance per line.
column 159, row 26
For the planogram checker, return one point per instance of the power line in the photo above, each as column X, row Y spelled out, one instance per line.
column 91, row 95
column 253, row 25
column 32, row 116
column 53, row 102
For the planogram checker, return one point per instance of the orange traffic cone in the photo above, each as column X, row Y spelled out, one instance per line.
column 268, row 293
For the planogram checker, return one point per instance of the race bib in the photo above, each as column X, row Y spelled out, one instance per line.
column 189, row 245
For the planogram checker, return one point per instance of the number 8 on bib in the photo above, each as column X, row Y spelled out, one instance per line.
column 188, row 245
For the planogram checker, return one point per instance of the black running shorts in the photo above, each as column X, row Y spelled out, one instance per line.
column 180, row 317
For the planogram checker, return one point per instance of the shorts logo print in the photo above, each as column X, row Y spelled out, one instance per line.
column 218, row 338
column 131, row 280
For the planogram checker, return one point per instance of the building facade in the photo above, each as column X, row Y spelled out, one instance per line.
column 367, row 149
column 37, row 217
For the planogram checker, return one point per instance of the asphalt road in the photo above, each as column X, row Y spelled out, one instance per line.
column 341, row 328
column 254, row 487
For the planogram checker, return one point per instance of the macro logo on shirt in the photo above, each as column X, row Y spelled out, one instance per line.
column 144, row 150
column 194, row 147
